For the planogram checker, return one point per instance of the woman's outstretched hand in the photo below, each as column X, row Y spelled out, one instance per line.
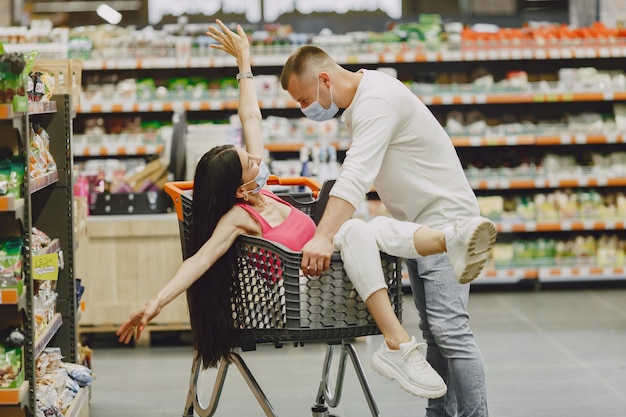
column 236, row 44
column 137, row 322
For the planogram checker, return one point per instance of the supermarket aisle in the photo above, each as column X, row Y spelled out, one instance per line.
column 550, row 353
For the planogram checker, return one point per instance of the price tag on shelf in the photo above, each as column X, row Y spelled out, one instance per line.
column 481, row 98
column 566, row 225
column 604, row 53
column 566, row 139
column 143, row 106
column 469, row 56
column 432, row 57
column 45, row 267
column 590, row 224
column 580, row 138
column 566, row 53
column 388, row 57
column 555, row 53
column 516, row 53
column 447, row 99
column 616, row 52
column 608, row 95
column 467, row 99
column 127, row 63
column 611, row 137
column 540, row 53
column 455, row 56
column 493, row 184
column 476, row 141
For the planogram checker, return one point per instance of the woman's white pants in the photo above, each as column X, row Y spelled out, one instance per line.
column 360, row 242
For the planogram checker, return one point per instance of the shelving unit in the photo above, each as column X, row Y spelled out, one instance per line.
column 46, row 203
column 411, row 62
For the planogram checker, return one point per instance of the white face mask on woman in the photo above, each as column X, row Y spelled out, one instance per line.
column 260, row 179
column 315, row 111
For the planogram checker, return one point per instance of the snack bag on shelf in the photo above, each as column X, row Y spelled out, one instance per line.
column 41, row 160
column 11, row 342
column 10, row 261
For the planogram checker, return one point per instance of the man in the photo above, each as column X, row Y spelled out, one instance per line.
column 399, row 147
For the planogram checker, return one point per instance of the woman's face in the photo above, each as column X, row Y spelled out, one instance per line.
column 249, row 168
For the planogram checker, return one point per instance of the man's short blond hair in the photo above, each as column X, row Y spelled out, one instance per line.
column 305, row 60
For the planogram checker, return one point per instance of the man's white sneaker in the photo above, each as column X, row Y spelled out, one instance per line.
column 468, row 243
column 410, row 369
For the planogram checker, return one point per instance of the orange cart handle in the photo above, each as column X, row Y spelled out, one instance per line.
column 175, row 188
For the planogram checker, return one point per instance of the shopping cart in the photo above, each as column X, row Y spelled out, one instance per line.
column 289, row 307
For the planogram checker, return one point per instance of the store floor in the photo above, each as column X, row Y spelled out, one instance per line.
column 557, row 352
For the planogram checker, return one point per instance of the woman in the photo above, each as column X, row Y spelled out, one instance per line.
column 231, row 198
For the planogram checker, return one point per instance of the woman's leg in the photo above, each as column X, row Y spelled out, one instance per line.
column 398, row 357
column 379, row 306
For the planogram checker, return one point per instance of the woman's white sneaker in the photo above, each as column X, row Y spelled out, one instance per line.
column 410, row 369
column 468, row 243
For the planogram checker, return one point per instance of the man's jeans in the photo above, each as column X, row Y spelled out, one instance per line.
column 442, row 304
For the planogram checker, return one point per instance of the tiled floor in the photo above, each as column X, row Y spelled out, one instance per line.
column 557, row 352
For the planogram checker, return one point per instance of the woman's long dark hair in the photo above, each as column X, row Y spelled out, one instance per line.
column 218, row 175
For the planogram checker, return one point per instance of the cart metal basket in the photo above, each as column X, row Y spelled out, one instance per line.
column 275, row 303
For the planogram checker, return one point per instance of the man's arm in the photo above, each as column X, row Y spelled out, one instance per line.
column 317, row 252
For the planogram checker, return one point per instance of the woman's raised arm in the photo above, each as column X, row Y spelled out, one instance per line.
column 237, row 45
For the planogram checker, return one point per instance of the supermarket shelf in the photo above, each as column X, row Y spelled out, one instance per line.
column 540, row 139
column 506, row 276
column 287, row 103
column 501, row 275
column 532, row 183
column 16, row 396
column 47, row 335
column 80, row 400
column 114, row 150
column 580, row 139
column 39, row 183
column 296, row 146
column 469, row 51
column 581, row 273
column 169, row 106
column 558, row 226
column 42, row 107
column 520, row 97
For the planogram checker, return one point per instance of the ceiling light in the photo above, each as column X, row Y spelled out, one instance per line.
column 109, row 14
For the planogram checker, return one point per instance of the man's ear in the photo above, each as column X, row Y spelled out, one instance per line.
column 324, row 78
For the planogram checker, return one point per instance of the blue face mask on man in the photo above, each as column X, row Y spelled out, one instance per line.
column 315, row 111
column 260, row 179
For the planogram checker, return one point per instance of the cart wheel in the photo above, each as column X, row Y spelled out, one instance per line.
column 320, row 411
